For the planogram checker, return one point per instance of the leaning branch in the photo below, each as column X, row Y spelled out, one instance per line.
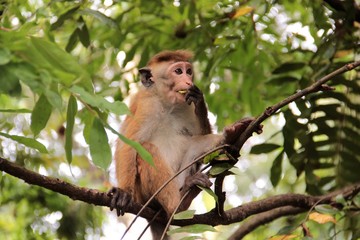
column 315, row 87
column 213, row 218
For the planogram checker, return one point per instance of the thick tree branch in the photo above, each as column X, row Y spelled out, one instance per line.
column 233, row 215
column 87, row 195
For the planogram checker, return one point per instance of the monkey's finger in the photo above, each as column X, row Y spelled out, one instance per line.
column 115, row 196
column 204, row 182
column 119, row 212
column 200, row 179
column 191, row 99
column 195, row 89
column 194, row 93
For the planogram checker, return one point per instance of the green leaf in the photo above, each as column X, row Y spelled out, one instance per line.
column 88, row 120
column 64, row 66
column 99, row 146
column 73, row 39
column 211, row 156
column 210, row 192
column 276, row 169
column 117, row 107
column 188, row 214
column 54, row 98
column 70, row 120
column 289, row 67
column 196, row 228
column 29, row 142
column 60, row 21
column 278, row 81
column 102, row 17
column 216, row 169
column 55, row 56
column 340, row 199
column 83, row 33
column 264, row 148
column 356, row 200
column 5, row 56
column 326, row 209
column 27, row 74
column 40, row 115
column 9, row 82
column 286, row 230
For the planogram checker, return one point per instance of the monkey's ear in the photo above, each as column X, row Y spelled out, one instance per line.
column 146, row 76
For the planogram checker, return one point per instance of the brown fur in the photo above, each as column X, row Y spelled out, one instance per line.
column 171, row 56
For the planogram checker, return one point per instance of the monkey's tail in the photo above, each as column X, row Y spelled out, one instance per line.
column 157, row 230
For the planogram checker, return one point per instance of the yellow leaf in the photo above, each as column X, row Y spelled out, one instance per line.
column 283, row 237
column 343, row 53
column 321, row 218
column 242, row 11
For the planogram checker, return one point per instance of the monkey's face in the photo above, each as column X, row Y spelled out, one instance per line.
column 179, row 78
column 168, row 80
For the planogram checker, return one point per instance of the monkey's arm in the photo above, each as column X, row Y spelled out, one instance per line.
column 232, row 133
column 195, row 95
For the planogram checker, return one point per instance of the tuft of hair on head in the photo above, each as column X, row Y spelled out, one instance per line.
column 175, row 56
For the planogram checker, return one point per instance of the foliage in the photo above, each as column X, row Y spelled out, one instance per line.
column 67, row 66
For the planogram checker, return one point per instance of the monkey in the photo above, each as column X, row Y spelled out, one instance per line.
column 169, row 117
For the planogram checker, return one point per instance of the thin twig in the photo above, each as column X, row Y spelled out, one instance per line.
column 173, row 214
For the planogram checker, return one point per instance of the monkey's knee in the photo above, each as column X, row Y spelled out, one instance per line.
column 119, row 200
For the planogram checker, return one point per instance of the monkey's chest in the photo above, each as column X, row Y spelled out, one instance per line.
column 173, row 143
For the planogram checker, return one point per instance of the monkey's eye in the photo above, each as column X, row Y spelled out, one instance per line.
column 189, row 71
column 178, row 71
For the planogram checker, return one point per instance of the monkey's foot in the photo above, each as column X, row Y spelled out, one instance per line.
column 119, row 200
column 199, row 179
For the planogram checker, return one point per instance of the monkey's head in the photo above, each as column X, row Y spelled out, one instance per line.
column 169, row 75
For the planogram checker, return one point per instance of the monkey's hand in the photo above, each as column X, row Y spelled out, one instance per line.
column 195, row 95
column 233, row 132
column 119, row 200
column 190, row 188
column 192, row 181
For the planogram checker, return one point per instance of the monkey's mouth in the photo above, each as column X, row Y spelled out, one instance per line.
column 183, row 92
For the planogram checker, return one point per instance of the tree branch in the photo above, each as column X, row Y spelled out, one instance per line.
column 244, row 211
column 263, row 218
column 87, row 195
column 233, row 215
column 315, row 87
